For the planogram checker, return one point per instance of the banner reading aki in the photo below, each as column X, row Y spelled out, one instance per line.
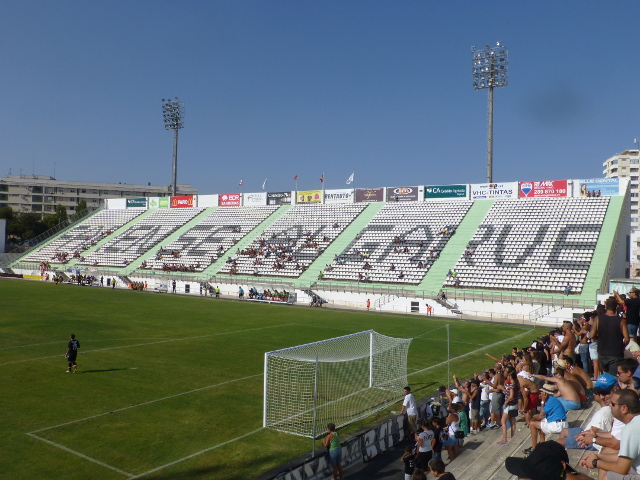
column 544, row 188
column 229, row 200
column 402, row 194
column 309, row 196
column 184, row 201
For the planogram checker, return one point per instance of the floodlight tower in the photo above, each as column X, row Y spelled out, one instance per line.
column 173, row 113
column 489, row 72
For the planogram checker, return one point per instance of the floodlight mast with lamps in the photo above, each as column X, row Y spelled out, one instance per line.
column 489, row 72
column 173, row 113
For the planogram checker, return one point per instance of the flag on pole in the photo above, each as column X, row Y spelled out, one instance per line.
column 322, row 178
column 240, row 182
column 264, row 184
column 295, row 178
column 350, row 179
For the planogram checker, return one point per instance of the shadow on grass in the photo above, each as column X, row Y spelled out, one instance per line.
column 105, row 370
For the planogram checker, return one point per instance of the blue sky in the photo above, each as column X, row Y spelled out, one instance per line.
column 275, row 89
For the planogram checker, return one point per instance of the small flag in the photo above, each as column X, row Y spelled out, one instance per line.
column 295, row 178
column 240, row 182
column 322, row 178
column 350, row 179
column 264, row 184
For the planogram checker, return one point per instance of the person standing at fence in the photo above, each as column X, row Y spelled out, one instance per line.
column 332, row 443
column 410, row 407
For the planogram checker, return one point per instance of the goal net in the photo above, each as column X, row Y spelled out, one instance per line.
column 339, row 380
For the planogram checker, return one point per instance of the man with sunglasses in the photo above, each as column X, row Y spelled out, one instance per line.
column 600, row 422
column 625, row 406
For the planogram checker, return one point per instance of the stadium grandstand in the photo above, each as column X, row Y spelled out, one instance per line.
column 536, row 251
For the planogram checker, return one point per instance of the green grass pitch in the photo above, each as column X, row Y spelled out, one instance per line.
column 171, row 387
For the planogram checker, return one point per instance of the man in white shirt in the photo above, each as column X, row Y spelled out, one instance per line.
column 411, row 409
column 625, row 406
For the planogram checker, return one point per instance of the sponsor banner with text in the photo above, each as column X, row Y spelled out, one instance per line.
column 229, row 200
column 259, row 198
column 445, row 191
column 344, row 195
column 137, row 202
column 182, row 201
column 596, row 187
column 484, row 191
column 369, row 194
column 544, row 188
column 278, row 198
column 309, row 196
column 402, row 194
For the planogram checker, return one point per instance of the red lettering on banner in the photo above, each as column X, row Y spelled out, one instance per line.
column 185, row 201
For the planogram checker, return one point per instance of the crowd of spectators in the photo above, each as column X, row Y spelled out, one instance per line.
column 593, row 359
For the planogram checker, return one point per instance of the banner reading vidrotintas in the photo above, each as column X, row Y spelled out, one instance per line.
column 483, row 191
column 545, row 188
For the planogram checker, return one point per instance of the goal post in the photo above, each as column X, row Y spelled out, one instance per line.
column 339, row 380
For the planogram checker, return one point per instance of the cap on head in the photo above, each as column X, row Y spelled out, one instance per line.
column 544, row 463
column 605, row 381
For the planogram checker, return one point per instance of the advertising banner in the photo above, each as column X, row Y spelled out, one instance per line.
column 259, row 198
column 137, row 202
column 206, row 201
column 229, row 200
column 545, row 188
column 483, row 191
column 158, row 202
column 278, row 198
column 309, row 196
column 402, row 194
column 183, row 201
column 445, row 191
column 369, row 195
column 344, row 195
column 596, row 187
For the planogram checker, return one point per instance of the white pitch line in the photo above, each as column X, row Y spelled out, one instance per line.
column 81, row 455
column 471, row 353
column 151, row 343
column 162, row 467
column 147, row 403
column 101, row 340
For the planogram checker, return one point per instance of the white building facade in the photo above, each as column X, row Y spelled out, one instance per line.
column 41, row 193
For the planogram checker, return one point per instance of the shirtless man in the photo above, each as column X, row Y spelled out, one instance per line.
column 567, row 394
column 583, row 377
column 530, row 394
column 568, row 344
column 575, row 381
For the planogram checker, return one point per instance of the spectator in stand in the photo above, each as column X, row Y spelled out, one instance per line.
column 409, row 460
column 625, row 407
column 632, row 305
column 612, row 334
column 552, row 418
column 510, row 409
column 583, row 377
column 425, row 442
column 596, row 368
column 437, row 427
column 437, row 470
column 625, row 370
column 452, row 443
column 485, row 399
column 410, row 407
column 548, row 461
column 497, row 397
column 566, row 392
column 582, row 331
column 472, row 391
column 600, row 422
